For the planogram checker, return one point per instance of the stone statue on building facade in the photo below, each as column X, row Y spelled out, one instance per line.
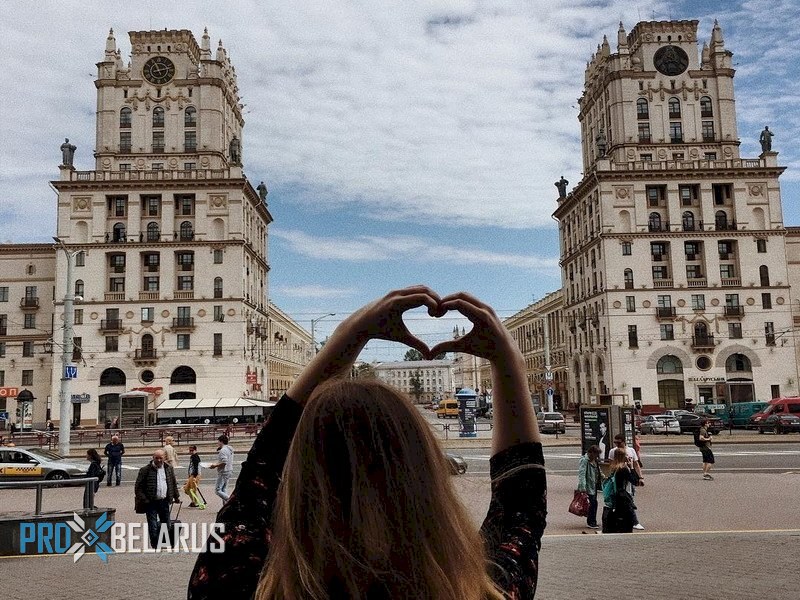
column 602, row 144
column 562, row 184
column 67, row 153
column 235, row 151
column 262, row 191
column 766, row 139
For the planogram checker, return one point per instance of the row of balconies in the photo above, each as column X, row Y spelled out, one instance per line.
column 670, row 312
column 122, row 238
column 176, row 295
column 697, row 226
column 693, row 282
column 112, row 325
column 150, row 269
column 158, row 148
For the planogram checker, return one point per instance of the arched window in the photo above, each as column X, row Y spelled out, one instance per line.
column 183, row 374
column 217, row 287
column 152, row 232
column 190, row 117
column 706, row 108
column 147, row 342
column 738, row 363
column 628, row 279
column 763, row 273
column 668, row 365
column 654, row 221
column 158, row 117
column 721, row 220
column 674, row 108
column 79, row 287
column 125, row 117
column 701, row 330
column 688, row 221
column 119, row 232
column 112, row 376
column 642, row 109
column 186, row 231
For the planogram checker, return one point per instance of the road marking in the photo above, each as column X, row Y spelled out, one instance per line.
column 691, row 532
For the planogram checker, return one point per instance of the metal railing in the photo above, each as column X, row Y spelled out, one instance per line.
column 87, row 482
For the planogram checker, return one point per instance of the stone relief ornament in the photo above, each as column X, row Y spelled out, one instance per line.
column 756, row 190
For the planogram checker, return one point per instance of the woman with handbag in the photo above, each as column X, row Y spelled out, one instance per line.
column 618, row 512
column 589, row 482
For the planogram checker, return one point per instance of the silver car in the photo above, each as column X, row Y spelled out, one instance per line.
column 552, row 422
column 25, row 464
column 661, row 424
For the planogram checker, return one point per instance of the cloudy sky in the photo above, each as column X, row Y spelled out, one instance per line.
column 402, row 141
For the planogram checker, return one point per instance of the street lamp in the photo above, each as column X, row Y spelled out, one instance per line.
column 313, row 325
column 66, row 351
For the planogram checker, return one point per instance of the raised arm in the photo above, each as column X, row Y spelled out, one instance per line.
column 514, row 417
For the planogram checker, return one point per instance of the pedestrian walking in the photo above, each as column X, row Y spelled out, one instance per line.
column 618, row 506
column 49, row 426
column 636, row 469
column 170, row 453
column 192, row 486
column 704, row 442
column 346, row 493
column 95, row 470
column 589, row 478
column 115, row 450
column 224, row 467
column 154, row 492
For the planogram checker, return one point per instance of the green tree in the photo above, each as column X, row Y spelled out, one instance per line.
column 416, row 384
column 364, row 371
column 413, row 354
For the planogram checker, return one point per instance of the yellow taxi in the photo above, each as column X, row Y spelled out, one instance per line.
column 23, row 464
column 447, row 408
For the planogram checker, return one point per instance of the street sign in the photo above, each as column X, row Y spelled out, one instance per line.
column 550, row 392
column 548, row 376
column 3, row 416
column 70, row 371
column 80, row 398
column 9, row 392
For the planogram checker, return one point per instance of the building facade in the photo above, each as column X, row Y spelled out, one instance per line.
column 290, row 349
column 434, row 377
column 673, row 248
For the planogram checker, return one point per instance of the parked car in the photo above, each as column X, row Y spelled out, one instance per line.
column 447, row 408
column 458, row 466
column 665, row 424
column 675, row 413
column 691, row 422
column 780, row 424
column 552, row 422
column 26, row 464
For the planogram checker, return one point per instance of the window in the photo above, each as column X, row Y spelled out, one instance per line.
column 677, row 156
column 630, row 303
column 769, row 333
column 4, row 294
column 125, row 118
column 217, row 344
column 147, row 314
column 124, row 166
column 694, row 272
column 667, row 331
column 157, row 166
column 80, row 259
column 676, row 133
column 674, row 105
column 646, row 157
column 112, row 343
column 642, row 109
column 722, row 192
column 158, row 117
column 725, row 249
column 79, row 287
column 735, row 331
column 124, row 141
column 185, row 260
column 218, row 287
column 152, row 206
column 190, row 141
column 628, row 278
column 116, row 284
column 664, row 301
column 763, row 274
column 721, row 220
column 633, row 337
column 184, row 205
column 2, row 375
column 698, row 302
column 218, row 315
column 27, row 377
column 660, row 272
column 184, row 341
column 689, row 194
column 659, row 250
column 158, row 141
column 117, row 263
column 644, row 133
column 654, row 222
column 27, row 348
column 189, row 166
column 29, row 322
column 186, row 232
column 118, row 233
column 706, row 108
column 185, row 283
column 656, row 195
column 151, row 261
column 688, row 220
column 117, row 206
column 190, row 117
column 218, row 257
column 150, row 283
column 153, row 233
column 708, row 131
column 731, row 299
column 727, row 271
column 710, row 155
column 766, row 300
column 761, row 246
column 77, row 318
column 692, row 250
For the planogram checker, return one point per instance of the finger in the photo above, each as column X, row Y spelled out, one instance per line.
column 473, row 312
column 414, row 342
column 406, row 302
column 448, row 346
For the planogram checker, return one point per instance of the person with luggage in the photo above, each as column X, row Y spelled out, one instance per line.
column 192, row 486
column 155, row 490
column 589, row 479
column 114, row 451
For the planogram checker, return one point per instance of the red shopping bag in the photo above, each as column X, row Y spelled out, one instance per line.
column 580, row 504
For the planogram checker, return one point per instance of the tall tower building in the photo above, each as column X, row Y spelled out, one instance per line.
column 172, row 260
column 672, row 245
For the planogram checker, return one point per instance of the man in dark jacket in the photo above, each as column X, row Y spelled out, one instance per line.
column 155, row 489
column 114, row 451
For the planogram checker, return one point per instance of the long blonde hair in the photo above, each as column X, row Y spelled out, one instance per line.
column 366, row 509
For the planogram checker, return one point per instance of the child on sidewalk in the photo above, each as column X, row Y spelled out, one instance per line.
column 191, row 487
